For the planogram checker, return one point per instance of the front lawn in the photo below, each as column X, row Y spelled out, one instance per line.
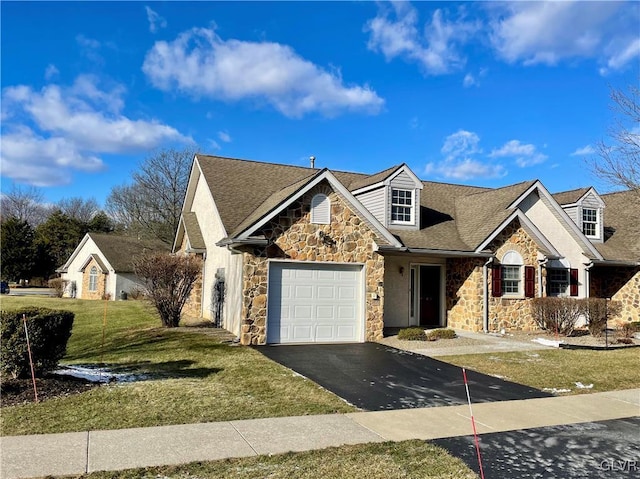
column 192, row 377
column 408, row 459
column 559, row 369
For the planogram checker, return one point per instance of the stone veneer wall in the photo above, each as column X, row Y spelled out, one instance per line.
column 506, row 313
column 102, row 281
column 193, row 306
column 620, row 284
column 292, row 235
column 464, row 293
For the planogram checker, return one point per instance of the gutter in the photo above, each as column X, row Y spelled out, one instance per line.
column 542, row 264
column 485, row 294
column 599, row 262
column 587, row 278
column 232, row 243
column 435, row 252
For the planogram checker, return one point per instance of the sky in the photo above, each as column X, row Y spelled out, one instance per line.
column 481, row 93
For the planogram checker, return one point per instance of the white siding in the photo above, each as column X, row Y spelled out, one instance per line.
column 217, row 257
column 126, row 282
column 573, row 214
column 556, row 232
column 374, row 202
column 73, row 271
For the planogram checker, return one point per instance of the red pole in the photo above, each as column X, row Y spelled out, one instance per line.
column 473, row 424
column 33, row 373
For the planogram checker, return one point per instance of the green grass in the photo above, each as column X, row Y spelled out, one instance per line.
column 408, row 459
column 560, row 369
column 194, row 377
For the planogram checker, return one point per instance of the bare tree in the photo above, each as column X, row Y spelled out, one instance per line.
column 79, row 208
column 618, row 161
column 24, row 204
column 151, row 206
column 168, row 280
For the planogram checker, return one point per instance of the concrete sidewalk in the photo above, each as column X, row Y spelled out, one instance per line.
column 81, row 452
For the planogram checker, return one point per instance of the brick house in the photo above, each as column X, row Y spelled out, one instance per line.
column 101, row 265
column 294, row 254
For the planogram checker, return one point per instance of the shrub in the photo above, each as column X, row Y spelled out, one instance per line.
column 596, row 311
column 49, row 330
column 556, row 314
column 168, row 280
column 627, row 331
column 412, row 334
column 136, row 293
column 58, row 285
column 441, row 333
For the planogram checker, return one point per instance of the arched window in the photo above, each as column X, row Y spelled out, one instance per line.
column 93, row 279
column 512, row 273
column 320, row 209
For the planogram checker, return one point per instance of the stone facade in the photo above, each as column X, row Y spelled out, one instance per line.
column 620, row 284
column 193, row 306
column 101, row 285
column 291, row 235
column 465, row 287
column 513, row 313
column 464, row 293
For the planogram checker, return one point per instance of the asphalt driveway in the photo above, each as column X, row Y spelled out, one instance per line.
column 603, row 449
column 375, row 377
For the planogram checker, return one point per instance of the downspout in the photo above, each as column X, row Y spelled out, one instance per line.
column 202, row 290
column 587, row 279
column 541, row 264
column 485, row 295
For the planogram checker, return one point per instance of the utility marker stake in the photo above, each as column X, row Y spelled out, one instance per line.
column 473, row 423
column 33, row 372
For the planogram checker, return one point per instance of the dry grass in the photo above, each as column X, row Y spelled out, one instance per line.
column 193, row 377
column 560, row 369
column 408, row 459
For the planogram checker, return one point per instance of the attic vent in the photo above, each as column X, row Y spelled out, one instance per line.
column 320, row 209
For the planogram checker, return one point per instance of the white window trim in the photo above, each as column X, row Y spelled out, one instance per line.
column 411, row 208
column 513, row 258
column 597, row 222
column 93, row 279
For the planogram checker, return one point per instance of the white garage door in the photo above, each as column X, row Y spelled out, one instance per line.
column 314, row 302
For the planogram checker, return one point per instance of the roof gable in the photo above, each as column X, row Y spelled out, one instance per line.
column 120, row 251
column 282, row 199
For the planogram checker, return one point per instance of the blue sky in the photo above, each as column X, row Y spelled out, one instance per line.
column 477, row 93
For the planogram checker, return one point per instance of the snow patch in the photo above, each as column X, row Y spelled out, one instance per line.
column 97, row 374
column 579, row 385
column 556, row 391
column 548, row 342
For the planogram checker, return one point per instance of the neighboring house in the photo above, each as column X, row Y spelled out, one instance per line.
column 101, row 266
column 295, row 254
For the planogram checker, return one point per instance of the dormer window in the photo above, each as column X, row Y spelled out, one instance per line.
column 590, row 221
column 402, row 206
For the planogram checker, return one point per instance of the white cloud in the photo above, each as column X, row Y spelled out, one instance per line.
column 460, row 151
column 155, row 20
column 74, row 126
column 436, row 49
column 50, row 72
column 549, row 32
column 585, row 150
column 224, row 136
column 214, row 144
column 469, row 81
column 461, row 143
column 201, row 63
column 525, row 154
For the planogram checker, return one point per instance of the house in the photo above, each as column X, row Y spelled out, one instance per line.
column 298, row 255
column 101, row 266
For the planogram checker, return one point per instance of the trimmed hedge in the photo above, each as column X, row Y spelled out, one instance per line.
column 412, row 334
column 441, row 333
column 49, row 332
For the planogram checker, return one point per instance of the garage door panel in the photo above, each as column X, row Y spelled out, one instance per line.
column 314, row 302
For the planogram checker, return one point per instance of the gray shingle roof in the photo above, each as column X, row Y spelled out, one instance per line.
column 192, row 228
column 453, row 217
column 621, row 227
column 570, row 197
column 479, row 214
column 120, row 251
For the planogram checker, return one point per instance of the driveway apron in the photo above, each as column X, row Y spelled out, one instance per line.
column 375, row 377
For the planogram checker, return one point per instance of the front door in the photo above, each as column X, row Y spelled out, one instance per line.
column 429, row 296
